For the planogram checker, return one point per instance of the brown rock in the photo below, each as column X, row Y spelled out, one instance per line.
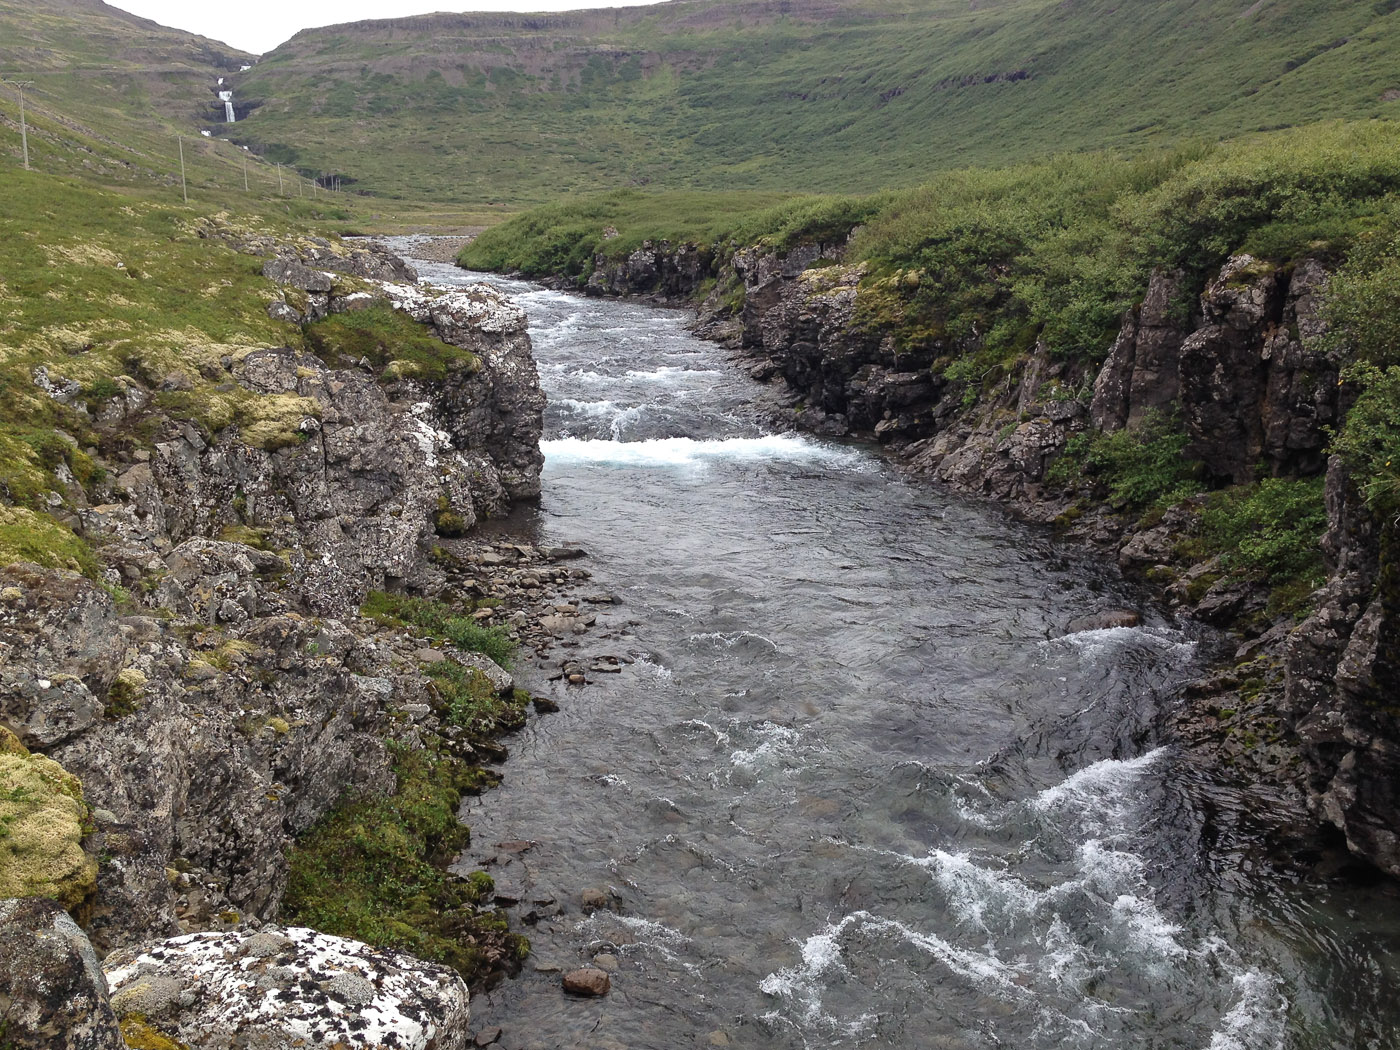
column 1103, row 621
column 587, row 982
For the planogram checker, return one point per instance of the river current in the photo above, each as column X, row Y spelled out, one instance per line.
column 859, row 782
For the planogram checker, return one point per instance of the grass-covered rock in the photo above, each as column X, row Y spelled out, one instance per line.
column 43, row 820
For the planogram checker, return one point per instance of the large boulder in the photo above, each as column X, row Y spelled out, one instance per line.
column 279, row 988
column 52, row 992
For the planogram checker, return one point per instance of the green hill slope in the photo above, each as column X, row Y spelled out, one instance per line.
column 835, row 95
column 111, row 92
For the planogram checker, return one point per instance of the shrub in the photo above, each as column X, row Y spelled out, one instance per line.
column 438, row 621
column 1271, row 528
column 1140, row 468
column 1370, row 441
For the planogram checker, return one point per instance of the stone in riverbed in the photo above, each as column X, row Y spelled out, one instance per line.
column 588, row 982
column 1103, row 621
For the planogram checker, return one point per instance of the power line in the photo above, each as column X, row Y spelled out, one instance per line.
column 23, row 126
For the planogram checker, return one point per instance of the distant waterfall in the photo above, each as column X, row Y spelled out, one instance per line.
column 226, row 97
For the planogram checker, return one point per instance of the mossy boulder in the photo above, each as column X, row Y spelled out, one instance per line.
column 42, row 813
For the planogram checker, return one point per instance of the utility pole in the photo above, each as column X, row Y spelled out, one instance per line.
column 245, row 173
column 279, row 180
column 184, row 186
column 23, row 126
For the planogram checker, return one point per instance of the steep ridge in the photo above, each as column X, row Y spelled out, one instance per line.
column 842, row 95
column 248, row 645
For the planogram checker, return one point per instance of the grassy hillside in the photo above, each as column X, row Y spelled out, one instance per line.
column 111, row 96
column 1058, row 248
column 834, row 95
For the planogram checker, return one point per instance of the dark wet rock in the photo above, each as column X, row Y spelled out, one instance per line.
column 289, row 987
column 52, row 992
column 588, row 982
column 1103, row 621
column 566, row 553
column 593, row 899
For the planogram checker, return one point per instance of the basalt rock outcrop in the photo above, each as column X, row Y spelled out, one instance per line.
column 215, row 691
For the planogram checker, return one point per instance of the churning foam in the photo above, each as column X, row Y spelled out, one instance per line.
column 1109, row 641
column 1256, row 1021
column 688, row 452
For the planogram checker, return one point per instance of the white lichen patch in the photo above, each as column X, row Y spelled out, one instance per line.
column 428, row 438
column 82, row 255
column 297, row 987
column 478, row 306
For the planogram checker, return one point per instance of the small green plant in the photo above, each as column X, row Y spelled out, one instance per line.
column 438, row 621
column 469, row 701
column 1139, row 468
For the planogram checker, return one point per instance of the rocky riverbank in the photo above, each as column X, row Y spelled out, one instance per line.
column 285, row 615
column 1298, row 718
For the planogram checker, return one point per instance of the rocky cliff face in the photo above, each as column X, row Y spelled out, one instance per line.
column 1242, row 369
column 216, row 691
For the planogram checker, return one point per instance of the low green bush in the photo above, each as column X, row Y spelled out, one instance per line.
column 1271, row 528
column 1139, row 468
column 438, row 621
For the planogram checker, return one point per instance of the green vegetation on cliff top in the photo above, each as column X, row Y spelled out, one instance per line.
column 1056, row 250
column 821, row 96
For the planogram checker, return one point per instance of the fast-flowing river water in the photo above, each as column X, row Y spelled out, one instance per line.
column 861, row 784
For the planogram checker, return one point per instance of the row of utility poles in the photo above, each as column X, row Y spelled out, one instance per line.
column 20, row 85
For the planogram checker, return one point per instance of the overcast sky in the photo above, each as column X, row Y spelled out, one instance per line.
column 260, row 25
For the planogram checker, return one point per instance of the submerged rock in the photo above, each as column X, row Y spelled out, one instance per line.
column 588, row 982
column 290, row 987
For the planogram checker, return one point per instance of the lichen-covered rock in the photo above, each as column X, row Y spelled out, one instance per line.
column 42, row 813
column 59, row 653
column 282, row 988
column 1342, row 676
column 354, row 492
column 52, row 992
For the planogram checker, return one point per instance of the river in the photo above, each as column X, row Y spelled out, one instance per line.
column 859, row 783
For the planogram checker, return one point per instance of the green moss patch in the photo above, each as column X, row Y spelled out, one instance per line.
column 375, row 869
column 42, row 814
column 440, row 622
column 29, row 536
column 389, row 339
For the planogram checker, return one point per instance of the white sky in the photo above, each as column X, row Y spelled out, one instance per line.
column 260, row 25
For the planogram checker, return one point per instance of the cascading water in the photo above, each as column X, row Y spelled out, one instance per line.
column 226, row 97
column 860, row 785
